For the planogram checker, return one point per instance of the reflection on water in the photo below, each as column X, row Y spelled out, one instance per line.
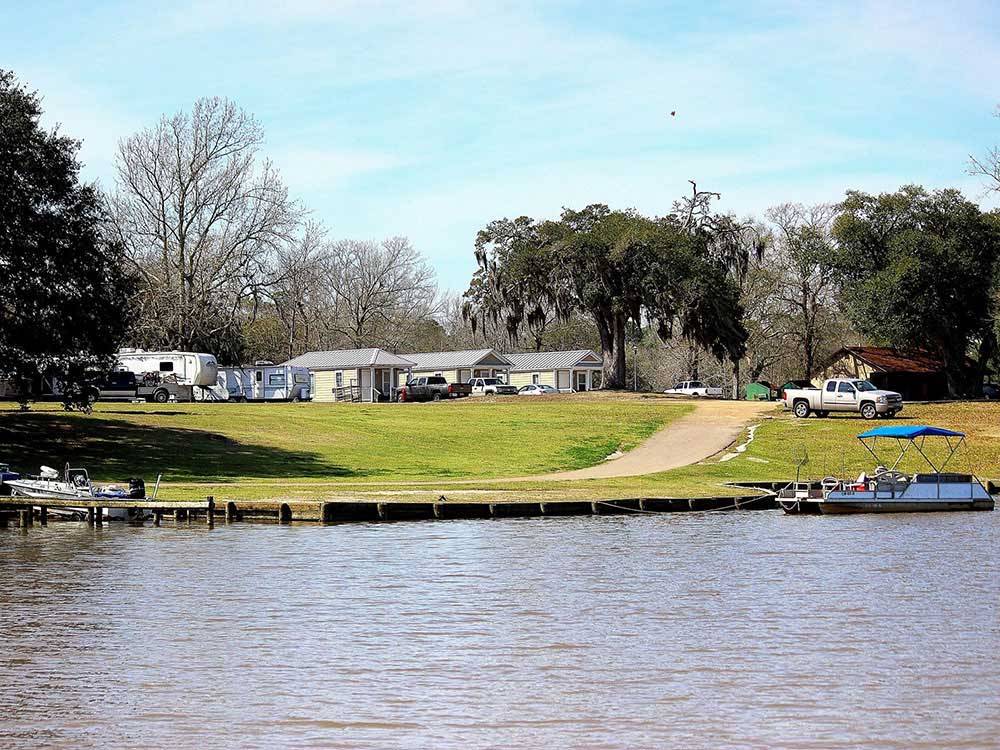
column 694, row 630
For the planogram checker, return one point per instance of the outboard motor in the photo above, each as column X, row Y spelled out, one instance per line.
column 6, row 475
column 136, row 488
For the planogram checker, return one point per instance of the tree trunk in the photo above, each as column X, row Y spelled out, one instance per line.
column 611, row 328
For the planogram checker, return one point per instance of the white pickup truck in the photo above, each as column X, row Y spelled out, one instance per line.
column 843, row 394
column 695, row 389
column 484, row 386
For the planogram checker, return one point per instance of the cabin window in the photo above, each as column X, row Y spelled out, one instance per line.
column 276, row 378
column 339, row 378
column 166, row 366
column 534, row 378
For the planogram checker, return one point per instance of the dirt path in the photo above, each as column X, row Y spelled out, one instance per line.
column 708, row 429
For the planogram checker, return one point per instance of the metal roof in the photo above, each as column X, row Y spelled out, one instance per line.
column 533, row 361
column 345, row 359
column 909, row 432
column 885, row 359
column 455, row 360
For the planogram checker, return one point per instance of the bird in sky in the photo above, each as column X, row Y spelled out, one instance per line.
column 673, row 113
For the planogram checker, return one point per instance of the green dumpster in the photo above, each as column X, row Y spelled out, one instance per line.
column 759, row 391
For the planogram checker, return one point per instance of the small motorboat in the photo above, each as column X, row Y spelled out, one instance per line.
column 889, row 490
column 75, row 484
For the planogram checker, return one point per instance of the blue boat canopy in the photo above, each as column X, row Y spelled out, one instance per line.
column 908, row 432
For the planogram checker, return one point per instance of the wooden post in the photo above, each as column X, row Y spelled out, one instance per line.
column 178, row 515
column 157, row 517
column 98, row 516
column 24, row 518
column 43, row 515
column 230, row 512
column 285, row 513
column 90, row 516
column 210, row 515
column 4, row 521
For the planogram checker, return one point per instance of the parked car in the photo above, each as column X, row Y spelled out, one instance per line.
column 991, row 391
column 846, row 395
column 484, row 386
column 432, row 388
column 695, row 389
column 537, row 390
column 124, row 386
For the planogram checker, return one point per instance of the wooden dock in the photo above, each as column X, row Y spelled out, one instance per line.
column 27, row 510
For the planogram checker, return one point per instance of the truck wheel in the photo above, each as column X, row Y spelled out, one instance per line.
column 437, row 396
column 161, row 397
column 868, row 410
column 801, row 409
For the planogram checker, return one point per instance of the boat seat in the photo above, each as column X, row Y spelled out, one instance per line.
column 945, row 478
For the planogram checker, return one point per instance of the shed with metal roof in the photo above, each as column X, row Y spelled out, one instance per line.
column 916, row 374
column 353, row 374
column 572, row 370
column 461, row 366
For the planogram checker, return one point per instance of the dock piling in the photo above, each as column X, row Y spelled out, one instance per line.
column 210, row 513
column 285, row 513
column 157, row 517
column 90, row 516
column 24, row 518
column 231, row 512
column 43, row 515
column 98, row 516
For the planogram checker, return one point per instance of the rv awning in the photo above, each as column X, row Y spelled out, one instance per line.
column 910, row 432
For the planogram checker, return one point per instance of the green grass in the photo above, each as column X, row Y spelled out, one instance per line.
column 830, row 445
column 278, row 444
column 467, row 450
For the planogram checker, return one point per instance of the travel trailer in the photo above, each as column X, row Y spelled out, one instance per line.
column 186, row 368
column 265, row 381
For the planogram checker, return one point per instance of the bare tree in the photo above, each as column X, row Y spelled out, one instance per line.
column 988, row 165
column 379, row 291
column 298, row 294
column 802, row 253
column 202, row 219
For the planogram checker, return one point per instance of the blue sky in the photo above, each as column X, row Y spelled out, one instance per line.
column 429, row 119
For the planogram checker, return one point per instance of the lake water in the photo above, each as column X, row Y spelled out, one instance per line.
column 684, row 630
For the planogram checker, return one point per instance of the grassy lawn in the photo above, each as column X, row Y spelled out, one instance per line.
column 830, row 445
column 280, row 444
column 463, row 449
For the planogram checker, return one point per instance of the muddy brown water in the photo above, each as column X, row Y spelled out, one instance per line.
column 687, row 630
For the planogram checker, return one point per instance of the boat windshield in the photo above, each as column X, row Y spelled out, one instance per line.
column 864, row 385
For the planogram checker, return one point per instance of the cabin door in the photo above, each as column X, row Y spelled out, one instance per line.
column 581, row 381
column 383, row 381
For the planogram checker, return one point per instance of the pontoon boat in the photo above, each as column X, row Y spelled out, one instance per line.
column 892, row 491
